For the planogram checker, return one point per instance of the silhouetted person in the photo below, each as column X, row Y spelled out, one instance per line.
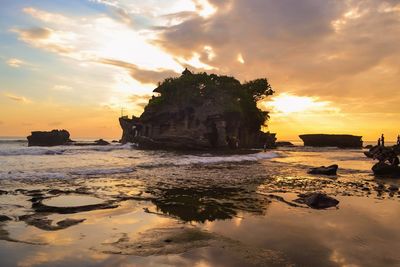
column 383, row 140
column 379, row 142
column 398, row 139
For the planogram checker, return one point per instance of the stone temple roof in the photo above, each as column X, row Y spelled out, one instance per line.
column 186, row 72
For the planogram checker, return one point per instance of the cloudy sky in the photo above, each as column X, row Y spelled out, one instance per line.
column 334, row 64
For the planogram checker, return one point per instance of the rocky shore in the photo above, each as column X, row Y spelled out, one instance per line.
column 59, row 138
column 388, row 158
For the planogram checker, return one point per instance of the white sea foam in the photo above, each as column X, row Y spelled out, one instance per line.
column 31, row 151
column 58, row 150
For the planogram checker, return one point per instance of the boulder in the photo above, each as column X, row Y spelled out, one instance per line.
column 332, row 140
column 330, row 170
column 317, row 200
column 382, row 168
column 369, row 154
column 383, row 153
column 52, row 138
column 388, row 160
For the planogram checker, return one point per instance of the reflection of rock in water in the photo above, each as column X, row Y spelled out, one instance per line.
column 191, row 204
column 208, row 204
column 44, row 223
column 5, row 235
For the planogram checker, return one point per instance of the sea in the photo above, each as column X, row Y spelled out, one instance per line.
column 116, row 205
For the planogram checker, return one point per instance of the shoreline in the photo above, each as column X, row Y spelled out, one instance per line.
column 184, row 213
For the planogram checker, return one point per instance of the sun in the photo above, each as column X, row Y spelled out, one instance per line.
column 286, row 103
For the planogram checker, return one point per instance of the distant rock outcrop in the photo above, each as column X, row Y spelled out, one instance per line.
column 332, row 140
column 284, row 144
column 201, row 111
column 101, row 142
column 52, row 138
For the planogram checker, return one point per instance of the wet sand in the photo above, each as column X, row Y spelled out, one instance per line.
column 218, row 214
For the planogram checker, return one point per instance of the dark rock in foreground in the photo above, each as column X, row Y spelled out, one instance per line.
column 388, row 160
column 382, row 168
column 317, row 200
column 330, row 170
column 52, row 138
column 332, row 140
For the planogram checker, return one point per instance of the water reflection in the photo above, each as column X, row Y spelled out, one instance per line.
column 362, row 226
column 208, row 204
column 215, row 215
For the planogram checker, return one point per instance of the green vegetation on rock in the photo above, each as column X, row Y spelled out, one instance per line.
column 235, row 99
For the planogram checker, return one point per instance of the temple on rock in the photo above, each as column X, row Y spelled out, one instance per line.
column 201, row 111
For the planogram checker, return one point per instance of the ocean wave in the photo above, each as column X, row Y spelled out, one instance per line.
column 58, row 150
column 207, row 159
column 63, row 175
column 89, row 172
column 32, row 175
column 30, row 151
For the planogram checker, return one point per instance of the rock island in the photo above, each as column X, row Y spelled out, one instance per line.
column 202, row 111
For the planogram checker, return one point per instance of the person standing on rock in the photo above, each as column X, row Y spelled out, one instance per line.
column 379, row 141
column 383, row 140
column 398, row 139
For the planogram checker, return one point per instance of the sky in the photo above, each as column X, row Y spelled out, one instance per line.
column 77, row 64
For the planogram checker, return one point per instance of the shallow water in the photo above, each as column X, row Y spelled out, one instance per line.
column 117, row 206
column 72, row 201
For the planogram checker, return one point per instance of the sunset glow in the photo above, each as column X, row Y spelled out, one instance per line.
column 287, row 104
column 56, row 59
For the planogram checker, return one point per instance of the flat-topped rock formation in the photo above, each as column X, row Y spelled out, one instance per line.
column 59, row 138
column 51, row 138
column 201, row 111
column 332, row 140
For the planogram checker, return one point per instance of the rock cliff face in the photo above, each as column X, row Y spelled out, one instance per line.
column 52, row 138
column 333, row 140
column 196, row 115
